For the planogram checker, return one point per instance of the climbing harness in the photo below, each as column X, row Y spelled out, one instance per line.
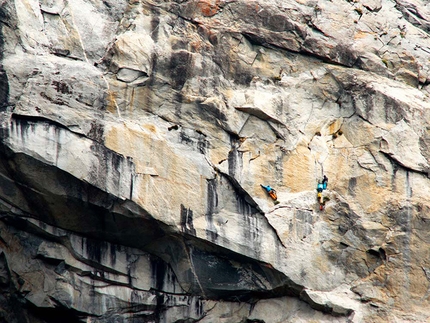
column 273, row 194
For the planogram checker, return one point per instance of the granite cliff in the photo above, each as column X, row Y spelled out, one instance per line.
column 135, row 136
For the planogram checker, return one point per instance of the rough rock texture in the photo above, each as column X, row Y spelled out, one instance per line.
column 135, row 136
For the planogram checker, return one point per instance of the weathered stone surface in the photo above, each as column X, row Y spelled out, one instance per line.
column 135, row 136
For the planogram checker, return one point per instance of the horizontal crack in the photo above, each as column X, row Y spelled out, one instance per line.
column 403, row 166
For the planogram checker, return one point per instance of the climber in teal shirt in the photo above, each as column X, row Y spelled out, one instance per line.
column 324, row 182
column 267, row 188
column 271, row 192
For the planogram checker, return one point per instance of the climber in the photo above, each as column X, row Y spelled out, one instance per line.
column 321, row 201
column 320, row 198
column 324, row 182
column 271, row 192
column 320, row 188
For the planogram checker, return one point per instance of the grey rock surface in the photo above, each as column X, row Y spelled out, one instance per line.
column 135, row 136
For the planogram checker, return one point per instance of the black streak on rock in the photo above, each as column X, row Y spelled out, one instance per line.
column 95, row 249
column 202, row 144
column 4, row 82
column 212, row 204
column 235, row 162
column 25, row 122
column 111, row 166
column 352, row 184
column 155, row 21
column 96, row 132
column 185, row 139
column 187, row 225
column 158, row 271
column 60, row 199
column 113, row 254
column 199, row 307
column 4, row 89
column 4, row 271
column 180, row 68
column 346, row 216
column 155, row 24
column 160, row 307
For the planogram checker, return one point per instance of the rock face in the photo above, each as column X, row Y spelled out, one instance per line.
column 135, row 136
